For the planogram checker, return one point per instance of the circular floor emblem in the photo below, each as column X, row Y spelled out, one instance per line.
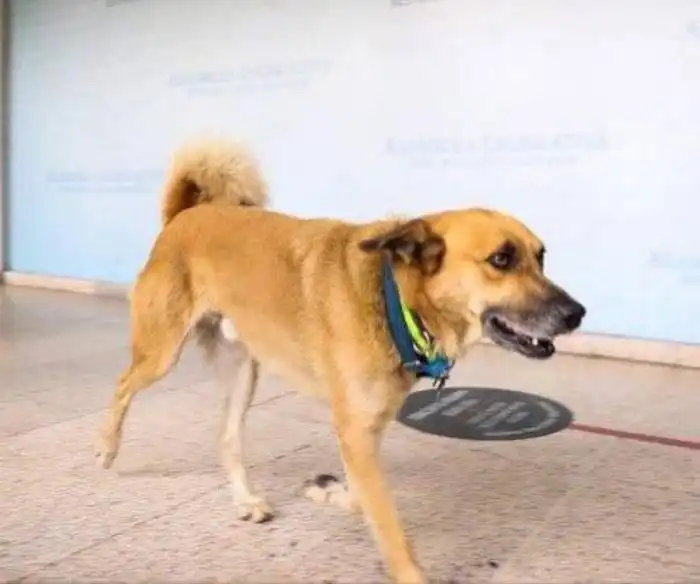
column 483, row 414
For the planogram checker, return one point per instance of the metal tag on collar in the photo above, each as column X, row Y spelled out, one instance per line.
column 413, row 365
column 438, row 384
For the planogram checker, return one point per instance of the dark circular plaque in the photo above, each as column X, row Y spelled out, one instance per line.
column 481, row 413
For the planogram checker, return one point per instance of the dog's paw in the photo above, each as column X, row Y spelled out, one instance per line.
column 105, row 454
column 326, row 488
column 254, row 509
column 411, row 576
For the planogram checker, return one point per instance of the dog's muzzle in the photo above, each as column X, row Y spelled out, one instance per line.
column 532, row 333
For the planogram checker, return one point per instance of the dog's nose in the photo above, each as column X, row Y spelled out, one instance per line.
column 573, row 315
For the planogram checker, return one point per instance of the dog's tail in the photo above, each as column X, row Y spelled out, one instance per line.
column 212, row 171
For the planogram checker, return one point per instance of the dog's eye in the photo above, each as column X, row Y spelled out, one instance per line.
column 502, row 260
column 540, row 258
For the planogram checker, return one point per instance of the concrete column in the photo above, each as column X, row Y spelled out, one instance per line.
column 4, row 41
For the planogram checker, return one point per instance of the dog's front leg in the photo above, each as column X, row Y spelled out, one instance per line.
column 358, row 430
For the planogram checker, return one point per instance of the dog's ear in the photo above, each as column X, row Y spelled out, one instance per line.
column 413, row 242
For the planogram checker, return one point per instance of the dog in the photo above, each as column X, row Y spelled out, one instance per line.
column 352, row 313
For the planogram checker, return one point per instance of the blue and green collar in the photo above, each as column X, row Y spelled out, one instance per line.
column 414, row 343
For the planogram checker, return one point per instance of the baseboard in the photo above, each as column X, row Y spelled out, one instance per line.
column 629, row 349
column 585, row 344
column 65, row 284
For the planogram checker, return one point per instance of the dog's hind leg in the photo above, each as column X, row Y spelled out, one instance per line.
column 249, row 506
column 327, row 488
column 237, row 373
column 160, row 320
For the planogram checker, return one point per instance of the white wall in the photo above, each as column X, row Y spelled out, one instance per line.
column 4, row 11
column 581, row 117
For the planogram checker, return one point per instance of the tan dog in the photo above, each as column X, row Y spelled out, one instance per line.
column 305, row 298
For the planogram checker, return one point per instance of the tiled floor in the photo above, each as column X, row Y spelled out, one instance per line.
column 572, row 507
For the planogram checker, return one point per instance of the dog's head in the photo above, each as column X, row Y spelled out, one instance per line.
column 487, row 269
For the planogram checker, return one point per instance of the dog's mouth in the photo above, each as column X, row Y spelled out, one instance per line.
column 505, row 335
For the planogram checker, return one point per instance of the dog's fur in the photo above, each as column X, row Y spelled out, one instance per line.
column 303, row 298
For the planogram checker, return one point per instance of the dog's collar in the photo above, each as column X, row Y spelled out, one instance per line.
column 416, row 346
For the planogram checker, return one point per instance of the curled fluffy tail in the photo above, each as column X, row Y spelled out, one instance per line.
column 212, row 172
